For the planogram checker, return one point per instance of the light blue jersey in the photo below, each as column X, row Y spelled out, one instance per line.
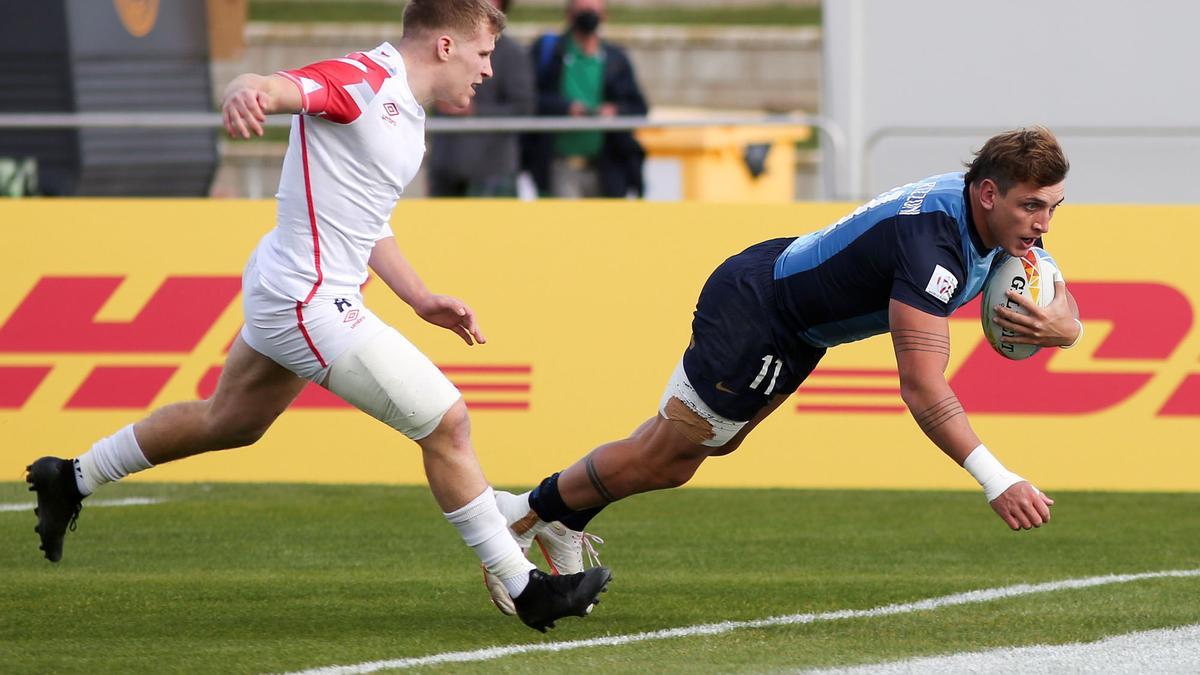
column 916, row 244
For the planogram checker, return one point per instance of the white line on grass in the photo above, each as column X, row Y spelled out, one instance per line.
column 967, row 598
column 1168, row 650
column 128, row 501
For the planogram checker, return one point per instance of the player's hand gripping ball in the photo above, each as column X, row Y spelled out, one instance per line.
column 1031, row 275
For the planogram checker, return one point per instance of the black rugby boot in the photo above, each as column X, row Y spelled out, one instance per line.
column 58, row 502
column 548, row 598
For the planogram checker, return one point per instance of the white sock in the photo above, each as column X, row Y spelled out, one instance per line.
column 515, row 508
column 484, row 530
column 110, row 459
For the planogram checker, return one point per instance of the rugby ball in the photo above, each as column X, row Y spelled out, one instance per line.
column 1032, row 275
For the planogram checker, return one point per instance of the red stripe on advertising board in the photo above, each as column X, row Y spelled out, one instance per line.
column 853, row 372
column 1185, row 400
column 487, row 369
column 314, row 397
column 806, row 407
column 491, row 386
column 58, row 315
column 848, row 390
column 497, row 405
column 17, row 384
column 121, row 387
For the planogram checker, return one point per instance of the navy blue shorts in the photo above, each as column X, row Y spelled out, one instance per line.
column 741, row 356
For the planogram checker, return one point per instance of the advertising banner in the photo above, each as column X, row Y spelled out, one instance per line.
column 112, row 308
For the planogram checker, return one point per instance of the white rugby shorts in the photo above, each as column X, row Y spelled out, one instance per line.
column 304, row 338
column 336, row 341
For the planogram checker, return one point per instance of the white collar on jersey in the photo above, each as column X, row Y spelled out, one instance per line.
column 389, row 58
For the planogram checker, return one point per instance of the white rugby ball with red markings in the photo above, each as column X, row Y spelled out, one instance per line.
column 1032, row 275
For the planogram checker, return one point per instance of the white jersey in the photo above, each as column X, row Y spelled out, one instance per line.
column 358, row 142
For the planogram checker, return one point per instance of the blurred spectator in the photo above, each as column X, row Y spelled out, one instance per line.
column 581, row 75
column 485, row 165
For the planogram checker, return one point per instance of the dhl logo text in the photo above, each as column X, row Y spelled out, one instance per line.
column 57, row 318
column 1149, row 323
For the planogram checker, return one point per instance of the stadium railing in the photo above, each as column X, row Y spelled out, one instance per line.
column 833, row 138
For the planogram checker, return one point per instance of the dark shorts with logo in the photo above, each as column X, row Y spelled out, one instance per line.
column 741, row 355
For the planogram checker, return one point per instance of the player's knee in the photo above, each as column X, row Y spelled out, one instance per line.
column 236, row 426
column 454, row 426
column 238, row 432
column 670, row 470
column 674, row 472
column 248, row 435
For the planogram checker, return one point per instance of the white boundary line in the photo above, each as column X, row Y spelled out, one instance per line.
column 128, row 501
column 967, row 598
column 1167, row 650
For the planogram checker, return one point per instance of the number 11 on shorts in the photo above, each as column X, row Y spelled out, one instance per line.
column 762, row 374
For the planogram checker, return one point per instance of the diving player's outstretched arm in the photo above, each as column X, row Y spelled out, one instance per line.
column 922, row 344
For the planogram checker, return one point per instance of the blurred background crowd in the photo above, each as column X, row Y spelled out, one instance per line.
column 672, row 100
column 648, row 60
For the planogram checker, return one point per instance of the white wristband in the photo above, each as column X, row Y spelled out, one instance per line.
column 990, row 473
column 1077, row 337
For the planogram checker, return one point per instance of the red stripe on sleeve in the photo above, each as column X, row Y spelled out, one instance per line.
column 335, row 79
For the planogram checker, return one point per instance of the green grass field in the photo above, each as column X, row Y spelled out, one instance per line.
column 269, row 578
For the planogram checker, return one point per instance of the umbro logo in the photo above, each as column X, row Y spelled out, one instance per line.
column 391, row 111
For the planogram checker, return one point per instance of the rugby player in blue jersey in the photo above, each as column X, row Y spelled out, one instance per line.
column 901, row 263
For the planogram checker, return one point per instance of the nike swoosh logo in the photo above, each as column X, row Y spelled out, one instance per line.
column 721, row 387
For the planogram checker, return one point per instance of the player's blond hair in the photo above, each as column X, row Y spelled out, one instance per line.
column 1029, row 154
column 460, row 16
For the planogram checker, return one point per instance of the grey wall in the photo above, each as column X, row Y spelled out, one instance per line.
column 77, row 56
column 774, row 69
column 919, row 85
column 166, row 69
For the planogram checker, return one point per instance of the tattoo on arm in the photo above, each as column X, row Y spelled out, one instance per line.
column 594, row 476
column 908, row 340
column 938, row 414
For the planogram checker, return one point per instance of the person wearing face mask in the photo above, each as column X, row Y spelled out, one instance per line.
column 581, row 75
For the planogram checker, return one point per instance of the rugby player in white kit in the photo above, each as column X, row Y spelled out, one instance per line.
column 357, row 139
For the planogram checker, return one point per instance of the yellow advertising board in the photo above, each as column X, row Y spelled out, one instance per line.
column 110, row 308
